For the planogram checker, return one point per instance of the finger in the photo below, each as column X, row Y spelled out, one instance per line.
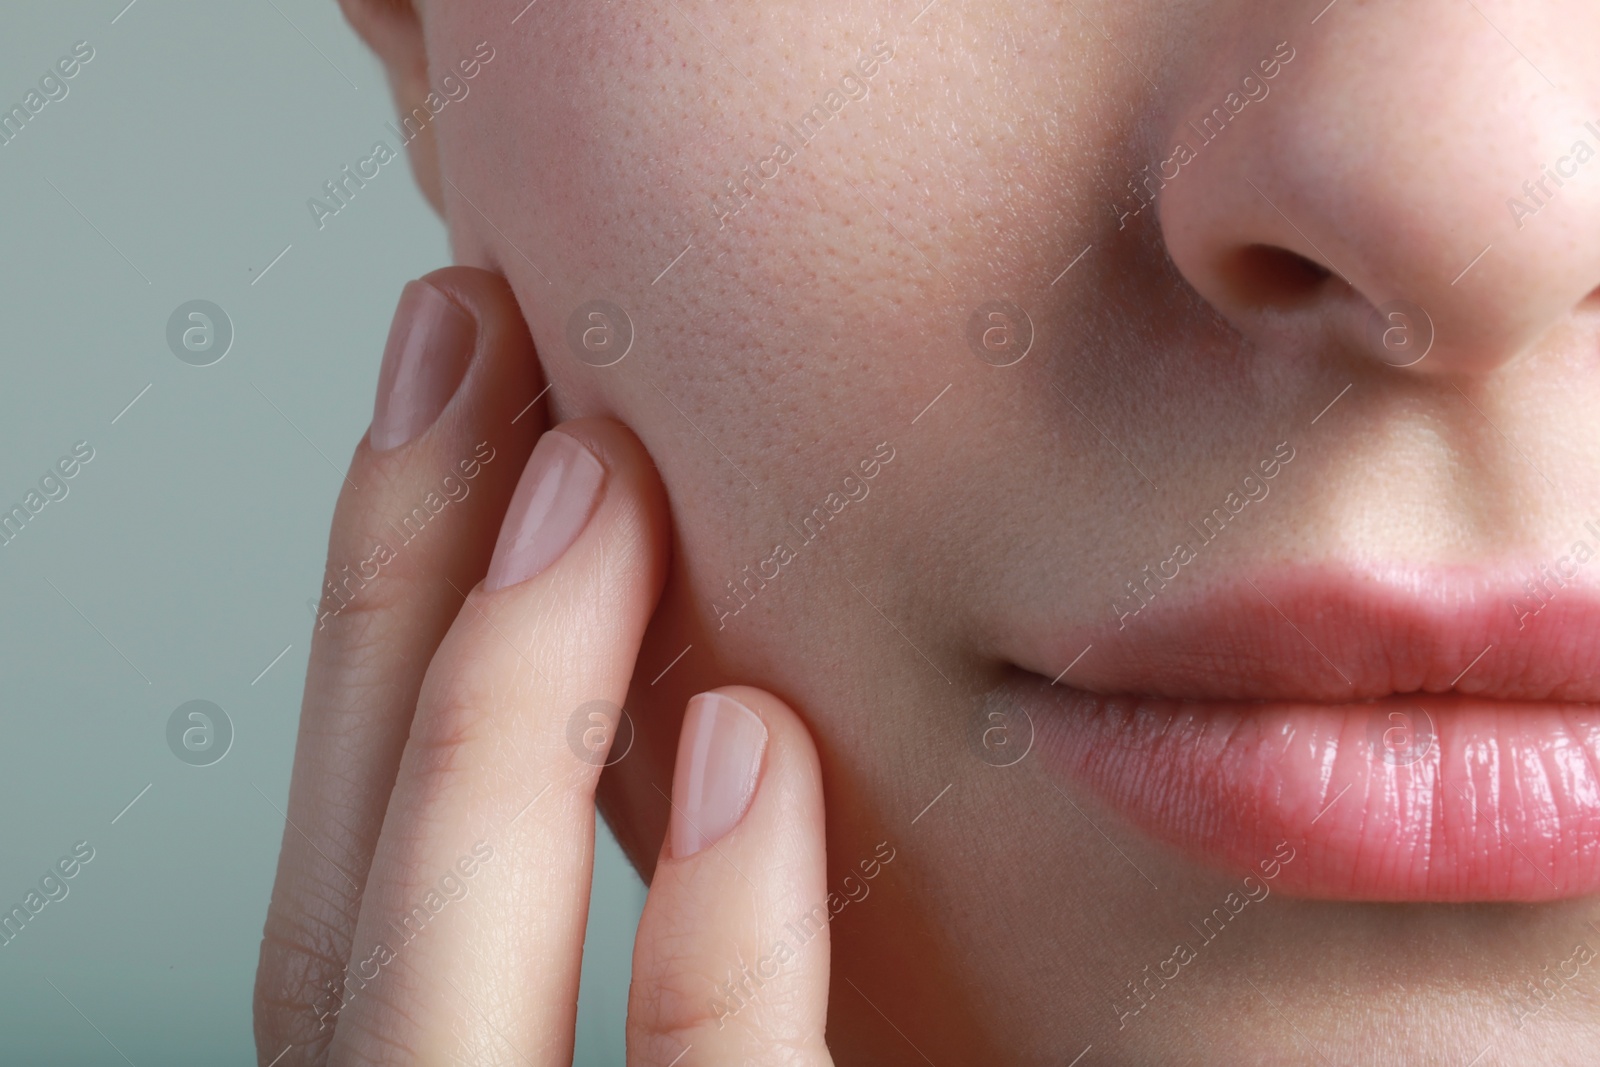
column 730, row 964
column 413, row 530
column 471, row 933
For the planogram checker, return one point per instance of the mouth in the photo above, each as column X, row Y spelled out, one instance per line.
column 1416, row 736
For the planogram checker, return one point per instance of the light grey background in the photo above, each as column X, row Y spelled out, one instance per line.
column 179, row 564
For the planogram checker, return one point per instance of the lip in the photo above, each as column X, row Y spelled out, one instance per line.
column 1413, row 735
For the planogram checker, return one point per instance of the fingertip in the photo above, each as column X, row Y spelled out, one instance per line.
column 431, row 342
column 503, row 380
column 729, row 737
column 784, row 726
column 578, row 471
column 742, row 918
column 633, row 491
column 720, row 751
column 555, row 498
column 475, row 290
column 458, row 361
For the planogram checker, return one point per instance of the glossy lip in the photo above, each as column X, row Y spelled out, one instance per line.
column 1415, row 736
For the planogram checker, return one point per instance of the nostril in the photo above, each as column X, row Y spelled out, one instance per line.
column 1269, row 276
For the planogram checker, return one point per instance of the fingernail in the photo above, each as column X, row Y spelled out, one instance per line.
column 719, row 762
column 430, row 343
column 558, row 492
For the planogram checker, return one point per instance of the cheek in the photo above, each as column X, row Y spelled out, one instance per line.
column 598, row 162
column 643, row 167
column 781, row 332
column 775, row 345
column 646, row 136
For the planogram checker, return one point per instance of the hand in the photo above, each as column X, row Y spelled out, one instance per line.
column 434, row 878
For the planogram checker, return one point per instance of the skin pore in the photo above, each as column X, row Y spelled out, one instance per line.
column 800, row 207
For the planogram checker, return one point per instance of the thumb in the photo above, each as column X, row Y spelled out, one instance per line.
column 730, row 964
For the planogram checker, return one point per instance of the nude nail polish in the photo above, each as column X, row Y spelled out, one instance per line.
column 555, row 497
column 719, row 765
column 430, row 344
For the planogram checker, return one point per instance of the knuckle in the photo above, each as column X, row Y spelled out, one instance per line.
column 356, row 614
column 456, row 713
column 684, row 1003
column 679, row 992
column 300, row 973
column 295, row 998
column 483, row 679
column 369, row 654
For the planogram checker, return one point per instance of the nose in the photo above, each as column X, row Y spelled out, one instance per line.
column 1402, row 181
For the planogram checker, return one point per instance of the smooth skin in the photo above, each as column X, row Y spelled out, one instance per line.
column 997, row 156
column 435, row 728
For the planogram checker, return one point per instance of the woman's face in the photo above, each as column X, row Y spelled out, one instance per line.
column 1115, row 427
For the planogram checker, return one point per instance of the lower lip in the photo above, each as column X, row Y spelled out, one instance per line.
column 1432, row 798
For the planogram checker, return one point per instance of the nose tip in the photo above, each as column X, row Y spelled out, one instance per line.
column 1432, row 204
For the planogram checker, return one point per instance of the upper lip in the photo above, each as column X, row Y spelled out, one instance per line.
column 1338, row 635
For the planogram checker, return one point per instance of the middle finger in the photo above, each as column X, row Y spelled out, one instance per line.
column 433, row 502
column 471, row 933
